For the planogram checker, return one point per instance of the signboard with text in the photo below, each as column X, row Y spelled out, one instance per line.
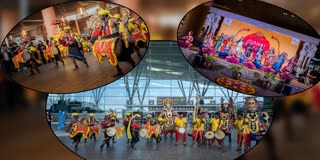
column 176, row 100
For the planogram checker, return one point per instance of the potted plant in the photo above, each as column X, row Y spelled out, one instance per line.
column 209, row 60
column 269, row 77
column 236, row 74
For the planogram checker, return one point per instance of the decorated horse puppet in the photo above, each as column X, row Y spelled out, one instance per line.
column 258, row 121
column 112, row 39
column 151, row 130
column 286, row 71
column 26, row 56
column 77, row 130
column 166, row 118
column 94, row 130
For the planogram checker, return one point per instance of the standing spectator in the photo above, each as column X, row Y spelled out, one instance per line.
column 5, row 59
column 49, row 118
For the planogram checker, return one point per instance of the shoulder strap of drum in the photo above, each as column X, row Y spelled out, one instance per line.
column 218, row 123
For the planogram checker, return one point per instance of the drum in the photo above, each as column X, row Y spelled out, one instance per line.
column 104, row 124
column 209, row 135
column 110, row 47
column 111, row 131
column 143, row 132
column 219, row 134
column 181, row 130
column 26, row 56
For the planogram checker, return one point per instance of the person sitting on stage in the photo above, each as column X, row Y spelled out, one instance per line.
column 243, row 131
column 188, row 40
column 198, row 128
column 126, row 123
column 74, row 48
column 180, row 122
column 216, row 124
column 208, row 45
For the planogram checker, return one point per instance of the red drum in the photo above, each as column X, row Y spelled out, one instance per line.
column 104, row 124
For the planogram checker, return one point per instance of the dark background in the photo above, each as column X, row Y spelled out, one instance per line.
column 25, row 134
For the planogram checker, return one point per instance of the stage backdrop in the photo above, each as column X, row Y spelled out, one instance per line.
column 232, row 26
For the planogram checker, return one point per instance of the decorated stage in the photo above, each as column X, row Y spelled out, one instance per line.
column 250, row 77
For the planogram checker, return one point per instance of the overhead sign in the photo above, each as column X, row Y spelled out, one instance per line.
column 176, row 100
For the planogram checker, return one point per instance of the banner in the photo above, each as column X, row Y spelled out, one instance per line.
column 176, row 100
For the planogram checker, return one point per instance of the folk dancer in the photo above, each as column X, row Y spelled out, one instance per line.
column 57, row 53
column 243, row 131
column 105, row 124
column 94, row 129
column 126, row 123
column 206, row 126
column 216, row 124
column 152, row 129
column 114, row 120
column 76, row 130
column 198, row 128
column 31, row 63
column 133, row 130
column 180, row 122
column 74, row 47
column 230, row 128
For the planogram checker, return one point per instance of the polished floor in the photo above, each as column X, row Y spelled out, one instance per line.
column 62, row 79
column 150, row 150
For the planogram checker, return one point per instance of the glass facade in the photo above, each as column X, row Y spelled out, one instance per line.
column 163, row 72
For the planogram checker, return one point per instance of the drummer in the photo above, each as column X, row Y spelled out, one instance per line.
column 181, row 123
column 243, row 131
column 114, row 120
column 198, row 128
column 206, row 125
column 216, row 124
column 107, row 123
column 149, row 120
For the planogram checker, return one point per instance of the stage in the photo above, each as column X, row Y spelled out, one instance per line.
column 221, row 69
column 62, row 79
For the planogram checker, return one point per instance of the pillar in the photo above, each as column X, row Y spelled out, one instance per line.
column 9, row 18
column 49, row 16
